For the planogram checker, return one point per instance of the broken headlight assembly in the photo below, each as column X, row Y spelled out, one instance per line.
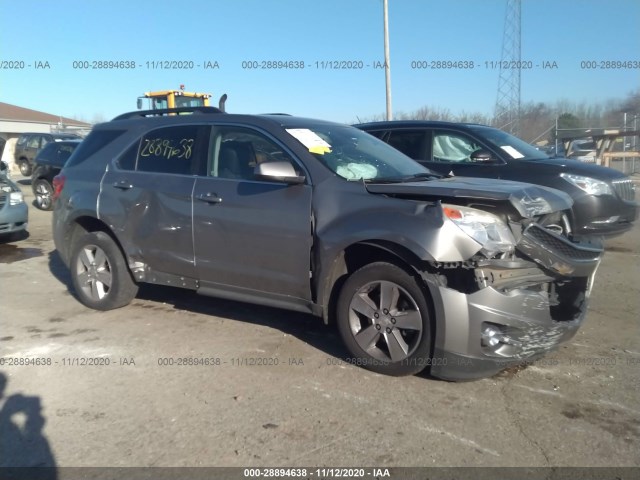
column 485, row 228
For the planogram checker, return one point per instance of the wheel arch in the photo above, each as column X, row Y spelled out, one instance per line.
column 363, row 253
column 86, row 224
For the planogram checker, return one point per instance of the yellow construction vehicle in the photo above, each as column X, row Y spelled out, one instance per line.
column 174, row 99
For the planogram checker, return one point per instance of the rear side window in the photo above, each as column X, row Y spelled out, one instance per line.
column 95, row 141
column 64, row 152
column 377, row 133
column 49, row 153
column 409, row 142
column 179, row 150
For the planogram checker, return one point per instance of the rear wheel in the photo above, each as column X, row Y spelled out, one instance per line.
column 99, row 273
column 25, row 168
column 43, row 192
column 383, row 319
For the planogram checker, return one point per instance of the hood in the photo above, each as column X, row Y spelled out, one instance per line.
column 569, row 165
column 529, row 200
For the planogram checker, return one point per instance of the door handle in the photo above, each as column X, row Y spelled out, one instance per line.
column 123, row 185
column 209, row 198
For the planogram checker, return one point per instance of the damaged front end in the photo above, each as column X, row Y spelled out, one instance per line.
column 524, row 291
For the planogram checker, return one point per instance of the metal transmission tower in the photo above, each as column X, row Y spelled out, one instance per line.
column 507, row 112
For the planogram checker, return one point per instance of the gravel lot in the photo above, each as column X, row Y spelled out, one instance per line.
column 305, row 407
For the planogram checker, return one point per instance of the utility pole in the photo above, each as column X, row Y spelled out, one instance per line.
column 387, row 64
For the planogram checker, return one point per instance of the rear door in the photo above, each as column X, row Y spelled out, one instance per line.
column 251, row 234
column 146, row 197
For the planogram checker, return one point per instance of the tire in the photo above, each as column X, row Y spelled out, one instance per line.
column 43, row 192
column 383, row 319
column 25, row 167
column 100, row 276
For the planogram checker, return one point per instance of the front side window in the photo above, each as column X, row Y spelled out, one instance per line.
column 235, row 152
column 159, row 103
column 453, row 147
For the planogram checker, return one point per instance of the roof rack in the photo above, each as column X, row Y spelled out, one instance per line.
column 283, row 114
column 167, row 111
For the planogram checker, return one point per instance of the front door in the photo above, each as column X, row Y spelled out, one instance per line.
column 251, row 234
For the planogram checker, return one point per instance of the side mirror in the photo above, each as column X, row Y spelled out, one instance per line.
column 278, row 172
column 3, row 167
column 139, row 104
column 482, row 156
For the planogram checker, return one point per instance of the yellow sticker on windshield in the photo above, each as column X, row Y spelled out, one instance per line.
column 310, row 139
column 320, row 150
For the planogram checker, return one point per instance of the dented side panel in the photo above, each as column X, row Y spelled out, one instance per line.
column 151, row 214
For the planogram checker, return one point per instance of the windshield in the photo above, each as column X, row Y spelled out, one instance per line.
column 512, row 146
column 356, row 155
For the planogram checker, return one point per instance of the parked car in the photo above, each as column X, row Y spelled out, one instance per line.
column 47, row 165
column 604, row 198
column 30, row 144
column 464, row 276
column 14, row 213
column 551, row 149
column 582, row 150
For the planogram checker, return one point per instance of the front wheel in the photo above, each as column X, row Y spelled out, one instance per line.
column 99, row 273
column 383, row 319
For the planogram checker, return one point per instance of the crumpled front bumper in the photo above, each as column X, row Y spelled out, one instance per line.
column 521, row 310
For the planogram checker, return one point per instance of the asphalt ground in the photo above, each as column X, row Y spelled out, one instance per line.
column 278, row 391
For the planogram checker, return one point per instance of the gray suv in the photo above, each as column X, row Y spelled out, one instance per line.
column 30, row 144
column 463, row 276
